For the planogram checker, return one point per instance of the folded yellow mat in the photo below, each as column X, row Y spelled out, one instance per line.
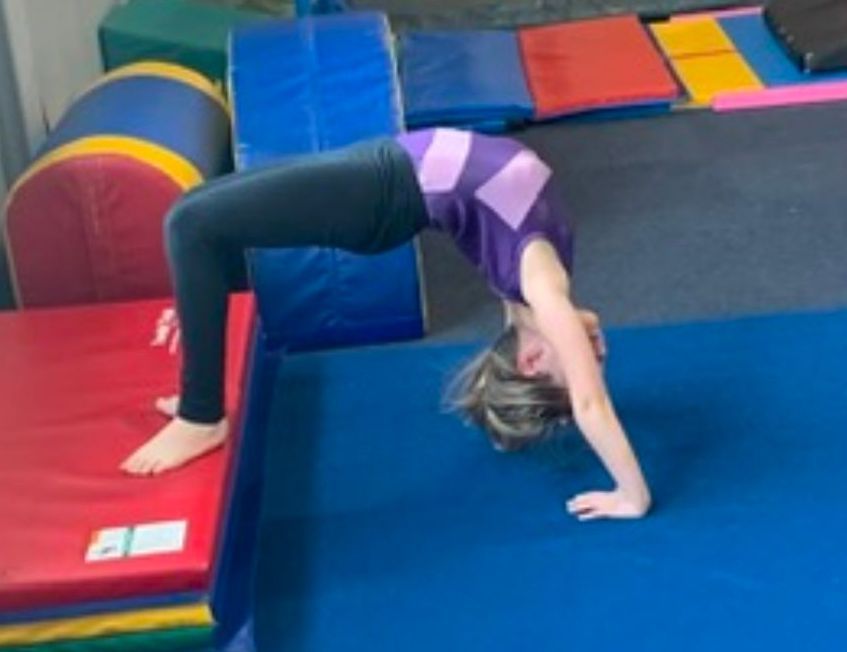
column 705, row 59
column 707, row 76
column 692, row 37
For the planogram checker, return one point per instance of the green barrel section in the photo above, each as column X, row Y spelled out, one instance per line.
column 191, row 33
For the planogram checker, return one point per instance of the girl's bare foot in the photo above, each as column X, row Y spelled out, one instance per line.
column 176, row 444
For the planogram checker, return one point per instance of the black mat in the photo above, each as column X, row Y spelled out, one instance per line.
column 415, row 14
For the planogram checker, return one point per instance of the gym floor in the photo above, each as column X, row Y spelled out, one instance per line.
column 683, row 217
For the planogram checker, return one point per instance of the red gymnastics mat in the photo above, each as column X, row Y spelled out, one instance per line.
column 77, row 387
column 602, row 63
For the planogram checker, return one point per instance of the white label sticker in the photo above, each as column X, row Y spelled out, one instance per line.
column 111, row 543
column 158, row 538
column 137, row 540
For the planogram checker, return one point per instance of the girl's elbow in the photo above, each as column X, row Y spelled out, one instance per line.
column 591, row 407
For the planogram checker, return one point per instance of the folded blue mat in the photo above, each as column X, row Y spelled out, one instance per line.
column 389, row 526
column 300, row 87
column 312, row 84
column 766, row 55
column 463, row 77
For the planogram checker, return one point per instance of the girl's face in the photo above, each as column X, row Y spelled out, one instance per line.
column 536, row 355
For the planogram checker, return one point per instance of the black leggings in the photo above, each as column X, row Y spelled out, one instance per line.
column 363, row 199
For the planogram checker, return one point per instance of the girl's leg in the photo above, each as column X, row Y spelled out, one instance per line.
column 363, row 199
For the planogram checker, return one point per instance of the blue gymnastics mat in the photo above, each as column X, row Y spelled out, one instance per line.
column 463, row 77
column 765, row 54
column 389, row 526
column 309, row 85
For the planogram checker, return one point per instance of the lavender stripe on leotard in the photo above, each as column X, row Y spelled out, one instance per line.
column 492, row 196
column 513, row 191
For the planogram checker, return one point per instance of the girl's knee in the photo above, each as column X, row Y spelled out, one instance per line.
column 183, row 224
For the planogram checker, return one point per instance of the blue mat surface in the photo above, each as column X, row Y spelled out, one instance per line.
column 765, row 54
column 389, row 526
column 463, row 77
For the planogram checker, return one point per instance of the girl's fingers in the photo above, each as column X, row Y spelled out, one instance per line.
column 582, row 504
column 590, row 516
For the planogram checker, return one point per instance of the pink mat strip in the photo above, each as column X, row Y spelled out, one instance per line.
column 781, row 96
column 721, row 13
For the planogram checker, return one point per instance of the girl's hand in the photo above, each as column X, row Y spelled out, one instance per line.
column 608, row 504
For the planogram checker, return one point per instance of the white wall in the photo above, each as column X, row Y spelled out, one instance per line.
column 55, row 55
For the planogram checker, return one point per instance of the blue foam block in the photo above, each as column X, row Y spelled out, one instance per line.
column 463, row 76
column 765, row 54
column 305, row 86
column 389, row 526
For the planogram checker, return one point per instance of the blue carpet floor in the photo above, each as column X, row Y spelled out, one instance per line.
column 390, row 526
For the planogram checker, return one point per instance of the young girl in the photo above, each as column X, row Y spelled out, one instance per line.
column 494, row 198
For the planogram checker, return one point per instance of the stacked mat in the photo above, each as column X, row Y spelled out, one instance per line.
column 813, row 31
column 489, row 79
column 305, row 86
column 601, row 64
column 468, row 78
column 84, row 223
column 732, row 60
column 705, row 59
column 92, row 559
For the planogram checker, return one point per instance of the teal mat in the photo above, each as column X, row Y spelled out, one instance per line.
column 186, row 32
column 169, row 640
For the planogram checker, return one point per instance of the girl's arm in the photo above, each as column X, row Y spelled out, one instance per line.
column 545, row 286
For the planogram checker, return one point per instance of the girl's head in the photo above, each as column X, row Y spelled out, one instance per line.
column 512, row 389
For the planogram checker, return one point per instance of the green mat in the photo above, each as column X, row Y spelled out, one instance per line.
column 166, row 640
column 187, row 32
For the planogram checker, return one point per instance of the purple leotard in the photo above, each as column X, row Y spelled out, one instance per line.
column 493, row 196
